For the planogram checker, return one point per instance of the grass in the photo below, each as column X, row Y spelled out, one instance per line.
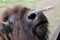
column 28, row 3
column 55, row 21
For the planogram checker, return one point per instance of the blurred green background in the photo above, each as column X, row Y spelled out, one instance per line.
column 28, row 3
column 52, row 15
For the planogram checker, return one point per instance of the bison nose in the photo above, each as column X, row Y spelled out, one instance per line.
column 32, row 16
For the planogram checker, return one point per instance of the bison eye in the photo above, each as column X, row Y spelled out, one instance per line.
column 32, row 16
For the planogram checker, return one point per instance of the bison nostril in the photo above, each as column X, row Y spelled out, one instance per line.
column 32, row 16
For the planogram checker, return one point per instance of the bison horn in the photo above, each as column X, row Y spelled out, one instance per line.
column 48, row 8
column 5, row 23
column 43, row 9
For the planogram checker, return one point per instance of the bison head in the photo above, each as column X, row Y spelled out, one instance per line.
column 22, row 23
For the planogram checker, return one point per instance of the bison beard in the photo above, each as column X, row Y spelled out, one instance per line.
column 24, row 24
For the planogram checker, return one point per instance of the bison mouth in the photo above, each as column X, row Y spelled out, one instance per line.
column 41, row 23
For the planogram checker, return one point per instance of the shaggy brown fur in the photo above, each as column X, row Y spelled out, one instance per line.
column 23, row 26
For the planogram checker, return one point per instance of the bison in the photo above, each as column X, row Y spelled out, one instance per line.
column 22, row 23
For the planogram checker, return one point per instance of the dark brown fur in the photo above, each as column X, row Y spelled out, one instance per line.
column 21, row 29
